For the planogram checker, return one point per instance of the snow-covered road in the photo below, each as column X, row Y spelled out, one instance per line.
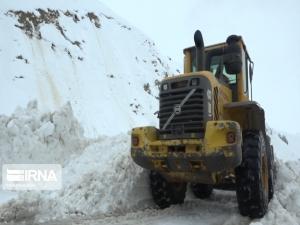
column 221, row 208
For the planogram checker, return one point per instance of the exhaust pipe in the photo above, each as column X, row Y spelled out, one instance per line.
column 200, row 57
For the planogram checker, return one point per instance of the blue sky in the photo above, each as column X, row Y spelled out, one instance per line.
column 271, row 30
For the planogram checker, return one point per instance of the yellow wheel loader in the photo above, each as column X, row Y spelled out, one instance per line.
column 210, row 133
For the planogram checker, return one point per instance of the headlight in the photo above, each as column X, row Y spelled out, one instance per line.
column 165, row 87
column 195, row 82
column 135, row 140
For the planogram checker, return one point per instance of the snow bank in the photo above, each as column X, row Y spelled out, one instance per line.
column 98, row 174
column 287, row 145
column 102, row 180
column 28, row 136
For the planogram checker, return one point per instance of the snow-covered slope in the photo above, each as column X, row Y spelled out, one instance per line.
column 79, row 51
column 289, row 145
column 102, row 185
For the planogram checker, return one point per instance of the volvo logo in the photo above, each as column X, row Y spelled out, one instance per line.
column 177, row 109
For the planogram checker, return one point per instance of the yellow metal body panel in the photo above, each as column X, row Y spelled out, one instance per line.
column 215, row 138
column 215, row 135
column 187, row 62
column 198, row 156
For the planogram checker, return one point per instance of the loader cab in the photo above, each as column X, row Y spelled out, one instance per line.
column 229, row 63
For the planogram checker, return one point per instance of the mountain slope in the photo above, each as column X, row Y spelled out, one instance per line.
column 80, row 52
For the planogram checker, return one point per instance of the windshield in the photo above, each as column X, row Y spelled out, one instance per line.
column 217, row 67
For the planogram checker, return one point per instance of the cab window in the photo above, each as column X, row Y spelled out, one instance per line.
column 217, row 67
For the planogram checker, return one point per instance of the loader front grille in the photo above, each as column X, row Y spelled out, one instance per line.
column 190, row 123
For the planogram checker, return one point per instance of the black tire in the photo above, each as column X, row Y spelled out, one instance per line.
column 271, row 171
column 252, row 176
column 201, row 190
column 165, row 193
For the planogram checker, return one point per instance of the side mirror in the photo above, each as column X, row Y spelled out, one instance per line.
column 233, row 59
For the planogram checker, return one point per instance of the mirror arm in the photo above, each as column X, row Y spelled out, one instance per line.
column 251, row 74
column 251, row 69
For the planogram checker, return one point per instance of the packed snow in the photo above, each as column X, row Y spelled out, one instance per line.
column 98, row 174
column 27, row 135
column 101, row 180
column 101, row 183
